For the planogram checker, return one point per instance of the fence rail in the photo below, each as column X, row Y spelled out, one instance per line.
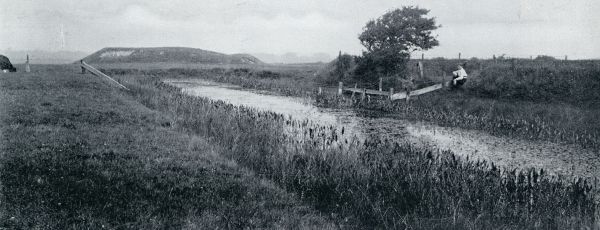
column 91, row 69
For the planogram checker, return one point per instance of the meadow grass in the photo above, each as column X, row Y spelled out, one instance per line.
column 376, row 183
column 77, row 153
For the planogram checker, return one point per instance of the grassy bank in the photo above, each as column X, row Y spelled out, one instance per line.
column 78, row 154
column 376, row 183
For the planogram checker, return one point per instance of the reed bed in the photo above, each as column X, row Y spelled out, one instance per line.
column 376, row 182
column 530, row 121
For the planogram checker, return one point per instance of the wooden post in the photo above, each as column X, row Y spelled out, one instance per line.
column 340, row 86
column 82, row 69
column 422, row 56
column 513, row 65
column 364, row 94
column 391, row 93
column 407, row 95
column 27, row 68
column 459, row 56
column 421, row 70
column 380, row 84
column 565, row 57
column 339, row 66
column 320, row 91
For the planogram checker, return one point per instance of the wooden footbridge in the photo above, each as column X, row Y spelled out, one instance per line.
column 392, row 96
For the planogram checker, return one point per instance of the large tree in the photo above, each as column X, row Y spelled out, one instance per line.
column 391, row 38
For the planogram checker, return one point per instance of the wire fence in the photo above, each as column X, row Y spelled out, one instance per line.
column 422, row 56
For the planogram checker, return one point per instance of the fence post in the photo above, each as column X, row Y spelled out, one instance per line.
column 459, row 56
column 565, row 57
column 27, row 68
column 391, row 93
column 422, row 56
column 81, row 65
column 380, row 84
column 364, row 94
column 421, row 70
column 340, row 86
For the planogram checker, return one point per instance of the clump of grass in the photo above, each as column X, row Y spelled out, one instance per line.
column 376, row 182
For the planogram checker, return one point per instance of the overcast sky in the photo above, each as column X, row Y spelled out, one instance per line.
column 477, row 28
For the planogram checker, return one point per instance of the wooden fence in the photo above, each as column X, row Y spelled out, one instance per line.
column 390, row 94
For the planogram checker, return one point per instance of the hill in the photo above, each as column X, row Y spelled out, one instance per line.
column 167, row 55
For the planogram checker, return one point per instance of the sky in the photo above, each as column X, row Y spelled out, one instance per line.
column 475, row 28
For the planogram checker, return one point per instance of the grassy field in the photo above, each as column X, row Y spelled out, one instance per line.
column 377, row 182
column 78, row 154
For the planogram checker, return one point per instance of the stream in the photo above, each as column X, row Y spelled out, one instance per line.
column 555, row 158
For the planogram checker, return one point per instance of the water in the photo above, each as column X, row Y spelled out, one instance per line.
column 570, row 160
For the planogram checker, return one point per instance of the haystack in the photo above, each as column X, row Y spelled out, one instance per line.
column 5, row 64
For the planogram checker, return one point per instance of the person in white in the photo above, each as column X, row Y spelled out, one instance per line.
column 459, row 77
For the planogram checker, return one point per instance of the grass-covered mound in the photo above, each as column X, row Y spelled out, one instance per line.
column 167, row 55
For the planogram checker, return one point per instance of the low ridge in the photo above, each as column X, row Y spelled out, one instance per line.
column 168, row 55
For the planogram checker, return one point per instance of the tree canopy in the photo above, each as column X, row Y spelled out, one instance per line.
column 404, row 30
column 391, row 38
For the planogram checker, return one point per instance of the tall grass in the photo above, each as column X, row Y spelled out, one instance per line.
column 376, row 182
column 574, row 85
